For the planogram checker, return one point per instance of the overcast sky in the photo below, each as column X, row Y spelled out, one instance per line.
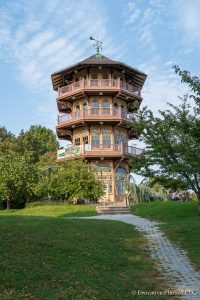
column 39, row 37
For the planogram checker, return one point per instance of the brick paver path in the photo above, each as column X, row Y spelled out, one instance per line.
column 171, row 261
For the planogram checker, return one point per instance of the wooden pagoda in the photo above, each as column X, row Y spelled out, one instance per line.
column 98, row 99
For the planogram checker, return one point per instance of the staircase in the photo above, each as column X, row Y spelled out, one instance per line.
column 112, row 210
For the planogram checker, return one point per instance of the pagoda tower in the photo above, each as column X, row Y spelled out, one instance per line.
column 97, row 100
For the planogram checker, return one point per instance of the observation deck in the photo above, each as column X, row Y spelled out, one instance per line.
column 98, row 87
column 97, row 151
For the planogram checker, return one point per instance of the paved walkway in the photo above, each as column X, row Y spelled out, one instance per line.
column 171, row 261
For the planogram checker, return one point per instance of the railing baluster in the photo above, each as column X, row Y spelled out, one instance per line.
column 100, row 112
column 97, row 83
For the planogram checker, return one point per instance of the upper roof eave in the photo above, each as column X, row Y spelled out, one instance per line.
column 92, row 61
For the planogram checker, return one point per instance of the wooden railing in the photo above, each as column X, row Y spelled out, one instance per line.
column 104, row 84
column 102, row 149
column 97, row 114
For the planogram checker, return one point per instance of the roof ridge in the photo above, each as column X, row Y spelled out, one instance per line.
column 95, row 57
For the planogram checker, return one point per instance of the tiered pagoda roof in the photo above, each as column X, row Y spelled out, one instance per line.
column 99, row 60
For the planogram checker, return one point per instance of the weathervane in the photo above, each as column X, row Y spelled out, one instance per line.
column 97, row 45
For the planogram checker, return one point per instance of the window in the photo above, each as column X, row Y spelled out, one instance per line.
column 105, row 74
column 117, row 142
column 95, row 108
column 77, row 113
column 106, row 108
column 94, row 74
column 85, row 105
column 123, row 113
column 103, row 168
column 120, row 187
column 77, row 141
column 115, row 109
column 105, row 79
column 121, row 170
column 76, row 83
column 95, row 141
column 95, row 104
column 85, row 139
column 115, row 81
column 106, row 140
column 94, row 80
column 85, row 110
column 124, row 143
column 115, row 106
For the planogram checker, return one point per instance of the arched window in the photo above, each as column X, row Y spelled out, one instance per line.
column 95, row 141
column 77, row 111
column 124, row 143
column 120, row 181
column 117, row 142
column 95, row 108
column 104, row 167
column 106, row 140
column 106, row 108
column 85, row 105
column 85, row 110
column 123, row 111
column 115, row 108
column 121, row 170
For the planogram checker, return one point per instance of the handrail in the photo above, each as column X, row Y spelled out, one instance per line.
column 120, row 149
column 97, row 113
column 95, row 83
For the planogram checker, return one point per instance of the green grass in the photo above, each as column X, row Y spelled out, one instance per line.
column 49, row 258
column 182, row 223
column 62, row 210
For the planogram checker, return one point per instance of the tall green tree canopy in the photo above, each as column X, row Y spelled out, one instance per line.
column 36, row 141
column 17, row 177
column 7, row 140
column 67, row 180
column 172, row 140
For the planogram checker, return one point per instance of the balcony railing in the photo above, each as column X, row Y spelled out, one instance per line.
column 97, row 114
column 92, row 84
column 98, row 149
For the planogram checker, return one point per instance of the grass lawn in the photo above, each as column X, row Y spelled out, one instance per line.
column 48, row 258
column 61, row 210
column 182, row 223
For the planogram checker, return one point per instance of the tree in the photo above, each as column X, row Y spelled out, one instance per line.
column 67, row 180
column 77, row 179
column 37, row 141
column 5, row 134
column 7, row 140
column 17, row 177
column 173, row 141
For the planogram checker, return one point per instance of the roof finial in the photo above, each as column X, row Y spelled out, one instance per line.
column 97, row 45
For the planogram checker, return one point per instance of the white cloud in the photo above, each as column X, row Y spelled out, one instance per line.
column 133, row 13
column 42, row 41
column 141, row 22
column 188, row 19
column 45, row 40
